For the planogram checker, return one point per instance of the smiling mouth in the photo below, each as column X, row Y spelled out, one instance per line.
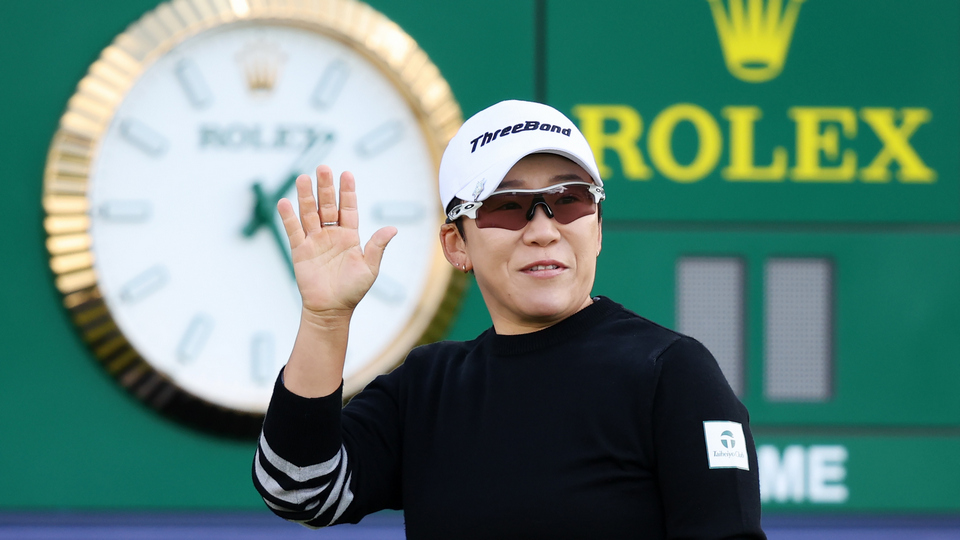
column 546, row 268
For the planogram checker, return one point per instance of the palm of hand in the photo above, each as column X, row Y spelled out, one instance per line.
column 333, row 273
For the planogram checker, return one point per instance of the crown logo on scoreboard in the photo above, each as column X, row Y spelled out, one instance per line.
column 261, row 63
column 755, row 35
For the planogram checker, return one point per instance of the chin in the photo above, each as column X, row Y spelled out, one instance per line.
column 547, row 305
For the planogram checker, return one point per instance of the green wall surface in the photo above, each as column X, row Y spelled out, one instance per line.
column 74, row 439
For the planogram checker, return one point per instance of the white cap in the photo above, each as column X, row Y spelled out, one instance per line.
column 492, row 141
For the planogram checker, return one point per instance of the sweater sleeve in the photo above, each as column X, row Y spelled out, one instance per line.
column 319, row 466
column 706, row 468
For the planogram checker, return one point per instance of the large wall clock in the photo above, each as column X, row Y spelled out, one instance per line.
column 162, row 180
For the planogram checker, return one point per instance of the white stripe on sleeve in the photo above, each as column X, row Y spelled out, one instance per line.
column 294, row 496
column 295, row 472
column 345, row 500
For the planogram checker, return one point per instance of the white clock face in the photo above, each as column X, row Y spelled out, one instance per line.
column 195, row 278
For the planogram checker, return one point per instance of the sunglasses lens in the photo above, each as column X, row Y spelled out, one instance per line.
column 504, row 211
column 509, row 210
column 573, row 203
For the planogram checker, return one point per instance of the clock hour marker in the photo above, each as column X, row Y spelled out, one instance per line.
column 143, row 137
column 145, row 283
column 398, row 212
column 132, row 211
column 194, row 338
column 331, row 82
column 382, row 137
column 261, row 365
column 388, row 289
column 193, row 83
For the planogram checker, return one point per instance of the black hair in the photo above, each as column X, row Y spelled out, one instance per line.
column 457, row 221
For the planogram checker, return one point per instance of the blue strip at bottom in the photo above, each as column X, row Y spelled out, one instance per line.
column 389, row 526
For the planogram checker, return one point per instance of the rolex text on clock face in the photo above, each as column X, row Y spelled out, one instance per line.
column 191, row 258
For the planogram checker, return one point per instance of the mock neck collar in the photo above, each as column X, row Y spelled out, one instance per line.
column 580, row 322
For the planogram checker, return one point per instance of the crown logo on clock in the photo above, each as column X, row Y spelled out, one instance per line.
column 261, row 62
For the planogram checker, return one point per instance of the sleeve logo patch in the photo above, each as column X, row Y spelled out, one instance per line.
column 726, row 445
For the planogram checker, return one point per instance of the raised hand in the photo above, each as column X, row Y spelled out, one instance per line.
column 333, row 273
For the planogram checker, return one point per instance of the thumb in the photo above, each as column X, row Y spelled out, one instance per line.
column 373, row 251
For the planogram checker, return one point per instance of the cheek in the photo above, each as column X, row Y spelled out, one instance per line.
column 489, row 250
column 588, row 242
column 588, row 264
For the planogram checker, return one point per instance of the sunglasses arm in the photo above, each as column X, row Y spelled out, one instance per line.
column 467, row 209
column 598, row 194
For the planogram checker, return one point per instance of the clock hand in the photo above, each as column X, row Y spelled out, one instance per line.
column 263, row 209
column 309, row 158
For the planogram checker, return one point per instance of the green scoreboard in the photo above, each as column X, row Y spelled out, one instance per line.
column 784, row 185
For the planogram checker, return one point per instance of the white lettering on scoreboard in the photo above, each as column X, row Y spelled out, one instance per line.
column 814, row 474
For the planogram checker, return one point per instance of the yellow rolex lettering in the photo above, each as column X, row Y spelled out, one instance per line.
column 817, row 133
column 661, row 136
column 742, row 167
column 623, row 141
column 896, row 146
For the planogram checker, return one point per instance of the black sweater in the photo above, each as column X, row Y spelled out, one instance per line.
column 592, row 428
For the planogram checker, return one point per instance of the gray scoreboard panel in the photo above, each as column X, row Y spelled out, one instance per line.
column 828, row 329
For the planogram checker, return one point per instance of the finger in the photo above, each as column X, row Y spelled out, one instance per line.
column 308, row 205
column 290, row 223
column 373, row 251
column 326, row 195
column 348, row 201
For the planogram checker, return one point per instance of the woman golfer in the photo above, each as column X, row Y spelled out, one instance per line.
column 572, row 417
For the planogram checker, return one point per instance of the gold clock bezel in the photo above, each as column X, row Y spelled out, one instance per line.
column 90, row 112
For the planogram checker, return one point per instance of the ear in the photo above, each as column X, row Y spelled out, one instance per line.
column 454, row 248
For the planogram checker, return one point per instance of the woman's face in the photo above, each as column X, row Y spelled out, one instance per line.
column 542, row 273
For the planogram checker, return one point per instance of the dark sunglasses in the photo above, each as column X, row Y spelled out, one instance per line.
column 512, row 209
